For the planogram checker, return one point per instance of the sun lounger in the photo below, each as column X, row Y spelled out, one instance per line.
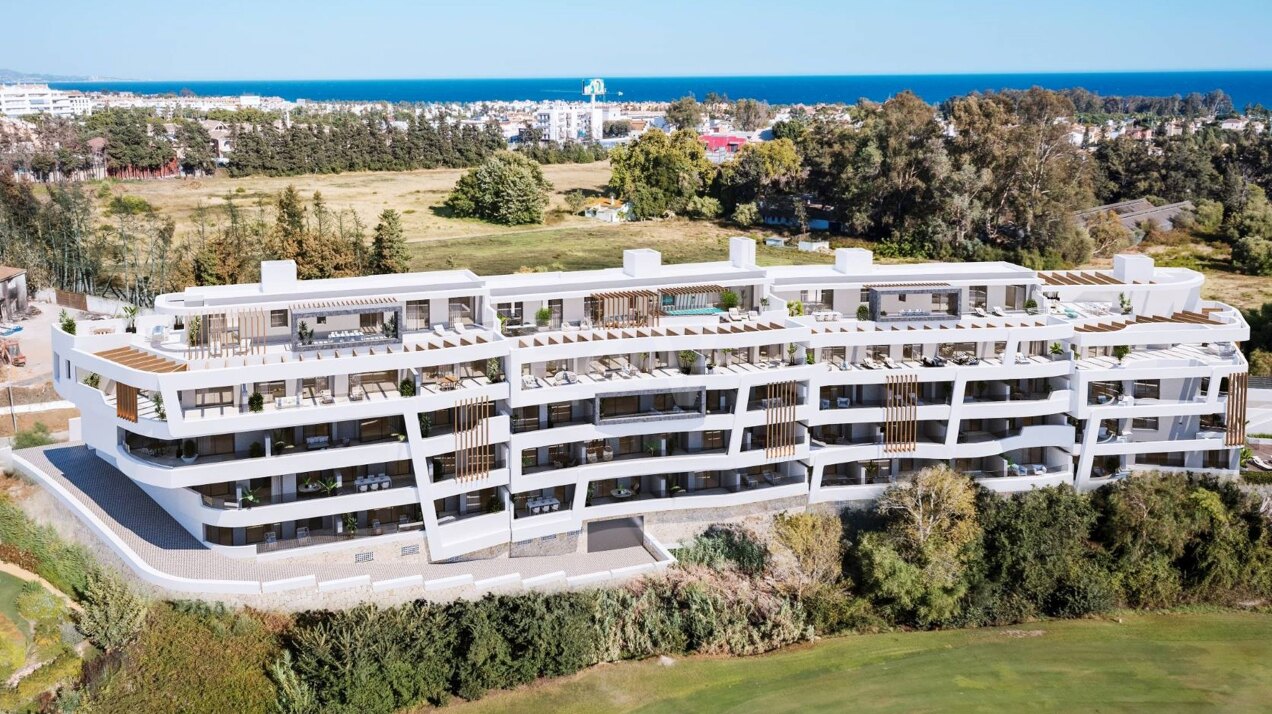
column 980, row 312
column 998, row 311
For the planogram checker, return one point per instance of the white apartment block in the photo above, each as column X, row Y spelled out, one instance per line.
column 508, row 411
column 571, row 121
column 19, row 100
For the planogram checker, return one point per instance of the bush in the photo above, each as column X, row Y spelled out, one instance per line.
column 863, row 312
column 726, row 546
column 833, row 610
column 1252, row 255
column 256, row 403
column 746, row 214
column 705, row 207
column 37, row 435
column 194, row 657
column 542, row 316
column 12, row 647
column 507, row 188
column 66, row 322
column 65, row 668
column 406, row 387
column 113, row 613
column 729, row 299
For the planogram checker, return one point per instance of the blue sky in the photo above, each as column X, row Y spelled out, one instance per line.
column 288, row 39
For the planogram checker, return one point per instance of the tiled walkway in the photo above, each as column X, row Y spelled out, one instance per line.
column 162, row 543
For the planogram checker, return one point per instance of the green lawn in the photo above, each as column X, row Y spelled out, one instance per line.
column 10, row 588
column 1172, row 662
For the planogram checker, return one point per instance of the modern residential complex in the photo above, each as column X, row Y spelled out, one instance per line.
column 508, row 413
column 19, row 100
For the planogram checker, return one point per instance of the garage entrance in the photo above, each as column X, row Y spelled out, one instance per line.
column 615, row 534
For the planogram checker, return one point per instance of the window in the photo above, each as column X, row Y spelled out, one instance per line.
column 417, row 315
column 272, row 390
column 1148, row 389
column 371, row 321
column 278, row 318
column 1144, row 423
column 979, row 296
column 214, row 397
column 322, row 319
column 865, row 296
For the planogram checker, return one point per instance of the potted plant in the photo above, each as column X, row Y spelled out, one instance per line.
column 795, row 308
column 426, row 424
column 808, row 357
column 494, row 504
column 256, row 403
column 93, row 380
column 764, row 302
column 790, row 353
column 66, row 322
column 872, row 471
column 156, row 399
column 1031, row 306
column 728, row 299
column 1125, row 303
column 728, row 355
column 256, row 450
column 189, row 451
column 350, row 523
column 406, row 387
column 493, row 372
column 249, row 498
column 130, row 314
column 542, row 316
column 503, row 324
column 863, row 312
column 1056, row 350
column 1121, row 352
column 304, row 334
column 193, row 327
column 328, row 486
column 687, row 358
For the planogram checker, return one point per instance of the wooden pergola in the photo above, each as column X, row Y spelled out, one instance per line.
column 1186, row 317
column 1078, row 277
column 627, row 308
column 226, row 333
column 141, row 360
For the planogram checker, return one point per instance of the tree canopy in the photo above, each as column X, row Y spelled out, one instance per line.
column 506, row 188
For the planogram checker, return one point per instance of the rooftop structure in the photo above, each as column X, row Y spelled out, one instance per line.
column 516, row 413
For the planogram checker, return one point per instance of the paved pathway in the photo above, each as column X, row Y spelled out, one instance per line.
column 37, row 407
column 159, row 541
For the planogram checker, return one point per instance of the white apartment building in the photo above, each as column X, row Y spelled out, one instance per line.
column 506, row 412
column 19, row 100
column 572, row 121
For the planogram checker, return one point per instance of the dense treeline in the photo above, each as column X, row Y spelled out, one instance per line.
column 372, row 142
column 1089, row 104
column 988, row 176
column 940, row 552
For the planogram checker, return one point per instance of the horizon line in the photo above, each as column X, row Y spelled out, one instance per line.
column 1014, row 73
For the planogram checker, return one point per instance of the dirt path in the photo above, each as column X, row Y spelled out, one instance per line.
column 27, row 575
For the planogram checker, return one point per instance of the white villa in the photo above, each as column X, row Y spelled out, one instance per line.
column 498, row 414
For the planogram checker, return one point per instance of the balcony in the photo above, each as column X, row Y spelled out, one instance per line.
column 315, row 490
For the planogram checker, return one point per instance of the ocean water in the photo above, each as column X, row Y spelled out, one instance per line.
column 1245, row 87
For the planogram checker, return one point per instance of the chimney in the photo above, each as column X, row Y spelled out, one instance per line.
column 641, row 262
column 853, row 260
column 742, row 252
column 278, row 276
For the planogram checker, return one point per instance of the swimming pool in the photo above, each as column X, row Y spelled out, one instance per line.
column 6, row 331
column 695, row 311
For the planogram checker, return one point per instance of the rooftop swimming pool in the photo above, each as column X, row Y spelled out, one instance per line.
column 694, row 311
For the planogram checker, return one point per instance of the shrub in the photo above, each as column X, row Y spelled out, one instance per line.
column 194, row 657
column 12, row 647
column 113, row 613
column 93, row 380
column 507, row 188
column 808, row 549
column 863, row 312
column 726, row 546
column 189, row 449
column 256, row 450
column 542, row 316
column 66, row 322
column 37, row 435
column 1252, row 255
column 1120, row 352
column 728, row 299
column 1258, row 478
column 62, row 669
column 256, row 403
column 705, row 207
column 406, row 387
column 832, row 609
column 746, row 214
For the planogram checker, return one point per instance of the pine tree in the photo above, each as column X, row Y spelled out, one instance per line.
column 388, row 247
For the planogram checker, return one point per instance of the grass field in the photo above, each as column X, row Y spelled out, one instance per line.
column 414, row 194
column 10, row 588
column 1215, row 661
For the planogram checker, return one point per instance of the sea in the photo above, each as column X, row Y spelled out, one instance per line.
column 1245, row 87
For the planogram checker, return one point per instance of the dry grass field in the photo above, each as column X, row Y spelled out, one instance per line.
column 414, row 194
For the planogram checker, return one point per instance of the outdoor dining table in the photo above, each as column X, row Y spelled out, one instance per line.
column 621, row 493
column 372, row 483
column 542, row 504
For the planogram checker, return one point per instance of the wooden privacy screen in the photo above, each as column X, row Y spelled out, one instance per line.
column 226, row 334
column 900, row 412
column 125, row 402
column 1237, row 384
column 474, row 455
column 627, row 308
column 779, row 419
